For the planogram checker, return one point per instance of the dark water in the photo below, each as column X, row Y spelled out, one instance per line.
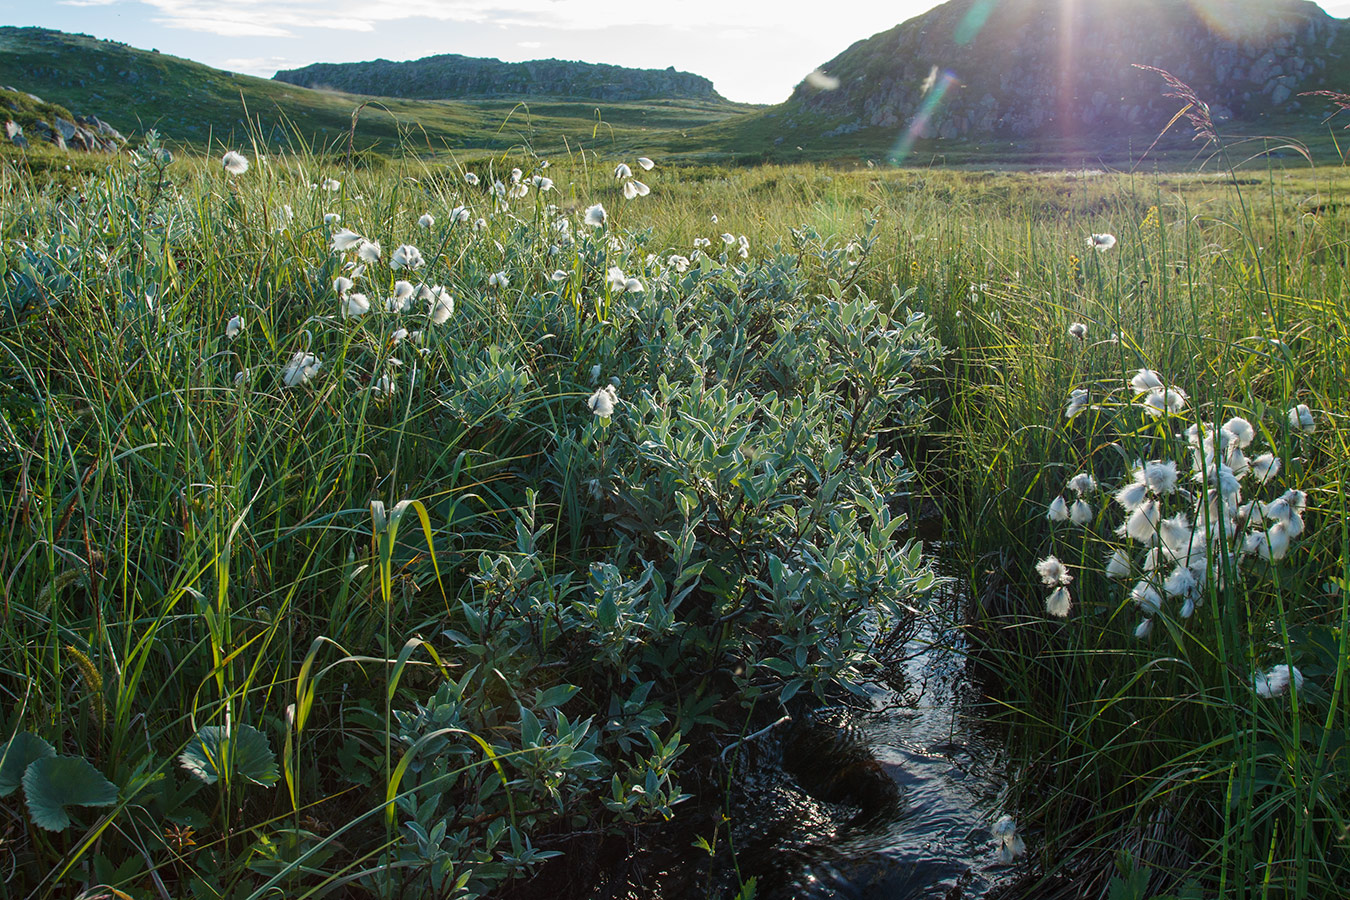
column 920, row 726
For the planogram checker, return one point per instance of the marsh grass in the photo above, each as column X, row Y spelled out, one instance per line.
column 181, row 550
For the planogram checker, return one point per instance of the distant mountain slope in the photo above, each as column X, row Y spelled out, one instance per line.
column 454, row 77
column 1062, row 68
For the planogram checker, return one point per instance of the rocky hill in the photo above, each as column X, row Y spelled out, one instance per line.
column 1062, row 68
column 454, row 77
column 25, row 118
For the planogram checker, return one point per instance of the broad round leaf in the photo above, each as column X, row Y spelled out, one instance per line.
column 17, row 753
column 213, row 752
column 53, row 783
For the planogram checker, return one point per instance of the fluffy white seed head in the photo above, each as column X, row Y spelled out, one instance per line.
column 1118, row 564
column 353, row 306
column 302, row 369
column 346, row 239
column 603, row 401
column 1145, row 380
column 1053, row 572
column 1147, row 596
column 406, row 256
column 1080, row 513
column 1059, row 602
column 1078, row 401
column 1241, row 430
column 1276, row 680
column 235, row 163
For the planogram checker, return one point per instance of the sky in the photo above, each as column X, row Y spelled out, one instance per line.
column 754, row 51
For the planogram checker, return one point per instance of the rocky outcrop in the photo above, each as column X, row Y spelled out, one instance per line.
column 1054, row 68
column 455, row 77
column 29, row 117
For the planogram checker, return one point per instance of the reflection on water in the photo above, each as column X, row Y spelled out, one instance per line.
column 921, row 731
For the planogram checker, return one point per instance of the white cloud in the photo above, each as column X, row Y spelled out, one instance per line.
column 235, row 18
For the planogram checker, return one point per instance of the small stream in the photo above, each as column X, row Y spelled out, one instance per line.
column 923, row 732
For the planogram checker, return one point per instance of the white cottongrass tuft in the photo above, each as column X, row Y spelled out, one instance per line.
column 1143, row 629
column 1161, row 476
column 1301, row 419
column 1142, row 523
column 603, row 401
column 1058, row 511
column 499, row 280
column 1009, row 843
column 1264, row 467
column 470, row 178
column 342, row 284
column 331, row 218
column 595, row 216
column 1147, row 596
column 1132, row 496
column 1145, row 380
column 301, row 370
column 234, row 327
column 234, row 163
column 622, row 171
column 369, row 251
column 406, row 256
column 1053, row 572
column 1241, row 430
column 558, row 276
column 1165, row 401
column 427, row 220
column 647, row 164
column 1101, row 242
column 1078, row 330
column 1276, row 680
column 1059, row 602
column 1080, row 513
column 1078, row 401
column 442, row 304
column 331, row 184
column 354, row 306
column 1118, row 565
column 1082, row 483
column 632, row 189
column 346, row 239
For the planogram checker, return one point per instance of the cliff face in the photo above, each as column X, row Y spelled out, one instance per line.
column 1023, row 68
column 454, row 77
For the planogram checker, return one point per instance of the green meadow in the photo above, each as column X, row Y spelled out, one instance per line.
column 379, row 531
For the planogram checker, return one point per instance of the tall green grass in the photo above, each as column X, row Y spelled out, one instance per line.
column 182, row 550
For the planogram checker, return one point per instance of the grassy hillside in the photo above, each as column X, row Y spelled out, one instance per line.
column 137, row 90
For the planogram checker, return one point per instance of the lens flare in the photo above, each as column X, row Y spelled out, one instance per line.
column 973, row 22
column 919, row 124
